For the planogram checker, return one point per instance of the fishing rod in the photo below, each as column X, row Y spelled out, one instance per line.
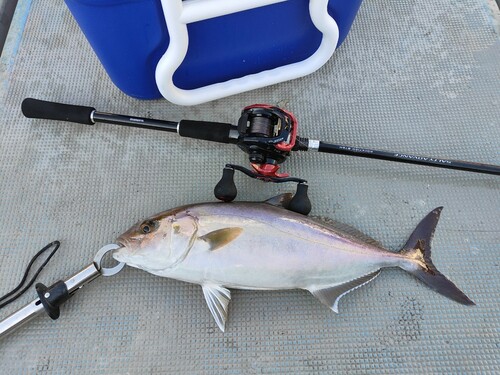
column 268, row 135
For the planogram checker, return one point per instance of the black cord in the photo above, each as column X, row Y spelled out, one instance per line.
column 54, row 244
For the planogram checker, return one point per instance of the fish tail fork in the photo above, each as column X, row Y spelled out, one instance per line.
column 417, row 252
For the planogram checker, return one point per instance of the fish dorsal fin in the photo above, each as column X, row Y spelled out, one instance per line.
column 221, row 237
column 218, row 299
column 282, row 200
column 330, row 296
column 347, row 229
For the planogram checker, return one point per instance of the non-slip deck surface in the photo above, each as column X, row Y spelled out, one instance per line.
column 420, row 77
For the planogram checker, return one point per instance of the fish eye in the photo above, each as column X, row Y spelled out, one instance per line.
column 148, row 227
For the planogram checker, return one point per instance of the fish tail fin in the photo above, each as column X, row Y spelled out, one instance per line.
column 418, row 255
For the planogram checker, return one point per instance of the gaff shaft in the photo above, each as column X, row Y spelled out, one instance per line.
column 36, row 307
column 50, row 298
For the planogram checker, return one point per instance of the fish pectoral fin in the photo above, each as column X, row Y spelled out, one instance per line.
column 330, row 296
column 221, row 237
column 282, row 200
column 218, row 299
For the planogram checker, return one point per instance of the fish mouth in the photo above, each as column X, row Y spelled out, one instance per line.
column 122, row 242
column 119, row 256
column 119, row 252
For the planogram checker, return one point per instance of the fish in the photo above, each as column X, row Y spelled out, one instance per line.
column 264, row 246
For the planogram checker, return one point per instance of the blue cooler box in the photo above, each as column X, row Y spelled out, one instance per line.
column 193, row 51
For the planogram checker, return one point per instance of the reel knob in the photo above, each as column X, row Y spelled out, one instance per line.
column 225, row 190
column 300, row 202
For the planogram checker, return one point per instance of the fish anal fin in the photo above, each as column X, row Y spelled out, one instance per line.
column 221, row 237
column 330, row 296
column 218, row 299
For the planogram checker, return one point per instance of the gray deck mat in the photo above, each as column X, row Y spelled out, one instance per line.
column 420, row 77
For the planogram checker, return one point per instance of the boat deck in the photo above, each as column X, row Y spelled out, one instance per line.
column 419, row 77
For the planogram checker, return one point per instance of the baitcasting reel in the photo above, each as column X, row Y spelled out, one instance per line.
column 267, row 134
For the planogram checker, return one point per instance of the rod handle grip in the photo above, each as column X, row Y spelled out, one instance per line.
column 34, row 108
column 208, row 131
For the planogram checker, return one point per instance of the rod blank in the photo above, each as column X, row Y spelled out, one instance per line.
column 409, row 159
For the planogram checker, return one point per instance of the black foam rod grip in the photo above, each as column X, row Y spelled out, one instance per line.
column 208, row 131
column 34, row 108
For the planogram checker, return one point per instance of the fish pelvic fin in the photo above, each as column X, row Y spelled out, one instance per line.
column 418, row 253
column 331, row 295
column 218, row 299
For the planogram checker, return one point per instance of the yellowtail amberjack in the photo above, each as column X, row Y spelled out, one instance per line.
column 262, row 246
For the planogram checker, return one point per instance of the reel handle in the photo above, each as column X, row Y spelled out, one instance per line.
column 226, row 190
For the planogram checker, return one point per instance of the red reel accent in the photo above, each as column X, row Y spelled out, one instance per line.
column 268, row 170
column 283, row 146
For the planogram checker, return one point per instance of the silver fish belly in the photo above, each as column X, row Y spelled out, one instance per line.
column 260, row 246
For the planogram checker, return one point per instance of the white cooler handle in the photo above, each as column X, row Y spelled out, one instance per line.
column 179, row 13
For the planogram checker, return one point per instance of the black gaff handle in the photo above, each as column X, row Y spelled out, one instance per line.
column 34, row 108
